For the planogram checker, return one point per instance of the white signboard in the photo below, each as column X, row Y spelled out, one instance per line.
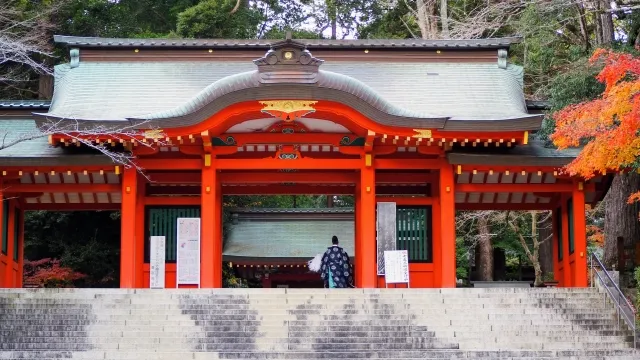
column 188, row 254
column 396, row 267
column 156, row 262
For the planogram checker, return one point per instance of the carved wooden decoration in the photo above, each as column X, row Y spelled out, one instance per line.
column 288, row 61
column 288, row 110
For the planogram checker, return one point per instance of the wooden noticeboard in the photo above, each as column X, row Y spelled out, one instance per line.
column 188, row 254
column 396, row 264
column 157, row 262
column 385, row 231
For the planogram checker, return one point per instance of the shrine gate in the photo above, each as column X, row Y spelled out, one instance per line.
column 433, row 126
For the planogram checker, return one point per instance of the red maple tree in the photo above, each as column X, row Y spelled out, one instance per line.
column 49, row 273
column 609, row 126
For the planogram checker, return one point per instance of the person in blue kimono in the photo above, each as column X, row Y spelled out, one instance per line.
column 336, row 268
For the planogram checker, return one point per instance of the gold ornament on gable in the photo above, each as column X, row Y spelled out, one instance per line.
column 288, row 110
column 422, row 134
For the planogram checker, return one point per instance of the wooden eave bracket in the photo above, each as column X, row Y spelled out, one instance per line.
column 368, row 142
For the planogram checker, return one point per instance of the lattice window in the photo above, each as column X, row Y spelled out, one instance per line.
column 413, row 232
column 162, row 221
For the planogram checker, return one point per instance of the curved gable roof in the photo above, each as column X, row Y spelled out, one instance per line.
column 449, row 96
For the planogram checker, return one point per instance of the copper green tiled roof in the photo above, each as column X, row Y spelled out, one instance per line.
column 86, row 42
column 35, row 149
column 179, row 93
column 533, row 154
column 25, row 104
column 288, row 234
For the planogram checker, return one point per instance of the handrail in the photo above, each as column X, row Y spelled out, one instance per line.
column 624, row 308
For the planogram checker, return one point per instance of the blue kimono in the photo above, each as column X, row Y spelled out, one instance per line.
column 336, row 268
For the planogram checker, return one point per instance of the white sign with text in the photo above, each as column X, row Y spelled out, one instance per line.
column 188, row 254
column 157, row 261
column 396, row 267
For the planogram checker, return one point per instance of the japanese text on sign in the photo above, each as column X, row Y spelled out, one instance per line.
column 396, row 267
column 188, row 254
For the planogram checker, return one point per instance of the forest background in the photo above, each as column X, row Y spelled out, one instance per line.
column 558, row 38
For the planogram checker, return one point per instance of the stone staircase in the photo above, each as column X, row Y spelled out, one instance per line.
column 311, row 324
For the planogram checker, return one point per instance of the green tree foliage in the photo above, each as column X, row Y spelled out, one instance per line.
column 394, row 23
column 86, row 242
column 124, row 18
column 219, row 19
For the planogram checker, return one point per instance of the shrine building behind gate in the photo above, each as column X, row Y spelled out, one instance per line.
column 431, row 127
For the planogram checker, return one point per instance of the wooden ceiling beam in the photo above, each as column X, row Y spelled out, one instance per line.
column 522, row 188
column 62, row 188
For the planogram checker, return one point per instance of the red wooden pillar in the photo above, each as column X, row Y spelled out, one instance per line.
column 266, row 282
column 579, row 237
column 366, row 252
column 566, row 261
column 357, row 221
column 210, row 219
column 9, row 275
column 20, row 228
column 554, row 245
column 447, row 226
column 140, row 232
column 436, row 241
column 7, row 267
column 128, row 231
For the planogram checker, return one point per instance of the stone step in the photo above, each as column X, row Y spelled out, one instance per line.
column 433, row 354
column 70, row 325
column 217, row 347
column 403, row 308
column 342, row 296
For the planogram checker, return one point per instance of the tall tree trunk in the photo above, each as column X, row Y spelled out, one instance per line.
column 444, row 18
column 426, row 11
column 584, row 29
column 535, row 257
column 423, row 20
column 604, row 22
column 545, row 231
column 620, row 218
column 485, row 263
column 332, row 10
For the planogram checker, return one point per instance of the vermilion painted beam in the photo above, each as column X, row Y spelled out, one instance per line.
column 72, row 207
column 410, row 201
column 278, row 177
column 265, row 177
column 286, row 139
column 277, row 164
column 172, row 200
column 495, row 206
column 279, row 189
column 401, row 178
column 170, row 164
column 62, row 188
column 288, row 190
column 525, row 188
column 514, row 168
column 407, row 164
column 12, row 171
column 175, row 177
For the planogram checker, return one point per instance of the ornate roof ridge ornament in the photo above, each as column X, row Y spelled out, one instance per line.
column 288, row 61
column 502, row 58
